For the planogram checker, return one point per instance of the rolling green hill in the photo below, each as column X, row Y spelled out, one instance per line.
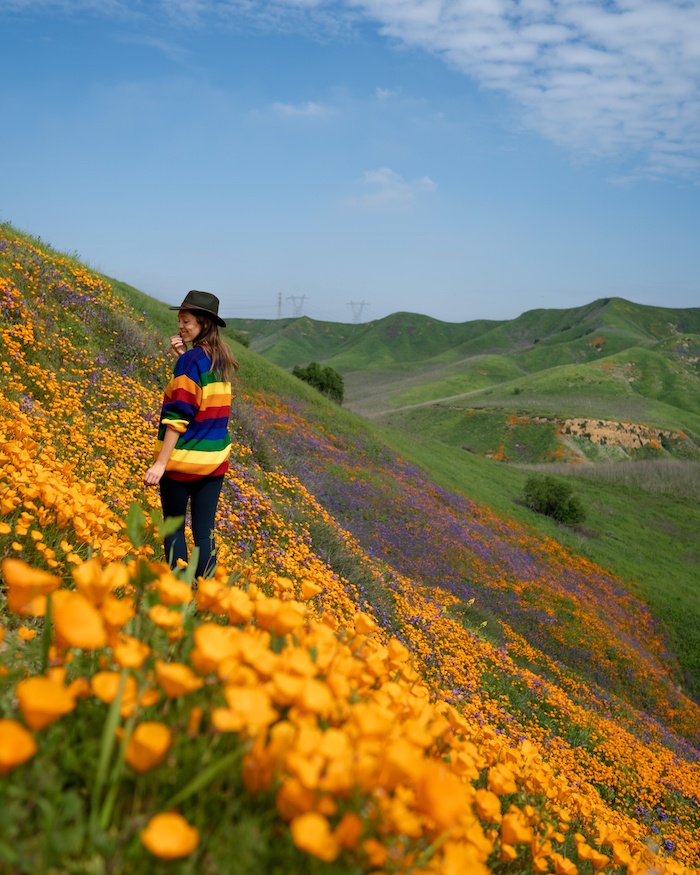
column 607, row 383
column 613, row 360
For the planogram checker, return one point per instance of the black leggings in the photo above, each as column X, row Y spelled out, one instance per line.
column 203, row 495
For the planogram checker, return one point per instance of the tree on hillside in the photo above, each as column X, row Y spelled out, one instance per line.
column 325, row 380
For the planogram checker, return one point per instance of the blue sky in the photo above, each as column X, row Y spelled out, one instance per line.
column 464, row 159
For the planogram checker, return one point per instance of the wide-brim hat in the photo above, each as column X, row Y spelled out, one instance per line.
column 203, row 302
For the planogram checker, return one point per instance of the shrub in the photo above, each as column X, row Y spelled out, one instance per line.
column 553, row 497
column 326, row 380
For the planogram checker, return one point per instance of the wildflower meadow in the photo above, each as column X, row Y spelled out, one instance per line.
column 339, row 697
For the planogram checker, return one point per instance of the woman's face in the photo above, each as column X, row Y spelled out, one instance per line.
column 188, row 327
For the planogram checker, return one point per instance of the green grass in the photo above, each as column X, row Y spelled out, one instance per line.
column 646, row 536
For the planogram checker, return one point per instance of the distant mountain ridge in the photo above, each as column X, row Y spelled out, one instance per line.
column 411, row 337
column 612, row 360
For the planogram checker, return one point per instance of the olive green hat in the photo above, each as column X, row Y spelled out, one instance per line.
column 202, row 302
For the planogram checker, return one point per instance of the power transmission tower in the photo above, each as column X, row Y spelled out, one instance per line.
column 279, row 305
column 297, row 303
column 357, row 308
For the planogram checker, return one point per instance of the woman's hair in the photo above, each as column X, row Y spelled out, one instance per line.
column 222, row 359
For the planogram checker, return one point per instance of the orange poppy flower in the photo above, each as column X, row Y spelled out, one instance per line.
column 25, row 583
column 169, row 836
column 563, row 866
column 441, row 795
column 129, row 652
column 364, row 624
column 210, row 597
column 172, row 591
column 309, row 589
column 514, row 829
column 460, row 858
column 238, row 605
column 105, row 685
column 248, row 709
column 349, row 830
column 488, row 805
column 176, row 678
column 214, row 644
column 501, row 780
column 16, row 745
column 77, row 622
column 164, row 617
column 312, row 833
column 89, row 581
column 147, row 746
column 42, row 701
column 116, row 612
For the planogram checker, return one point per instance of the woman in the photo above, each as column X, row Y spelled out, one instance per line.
column 193, row 442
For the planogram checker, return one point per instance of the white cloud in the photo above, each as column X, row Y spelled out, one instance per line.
column 310, row 109
column 385, row 187
column 600, row 77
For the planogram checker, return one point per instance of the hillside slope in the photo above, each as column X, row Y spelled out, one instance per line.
column 398, row 727
column 611, row 360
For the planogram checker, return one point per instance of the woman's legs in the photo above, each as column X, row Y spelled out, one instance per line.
column 174, row 495
column 205, row 498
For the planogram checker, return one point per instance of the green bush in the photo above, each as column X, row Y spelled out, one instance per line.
column 553, row 497
column 328, row 381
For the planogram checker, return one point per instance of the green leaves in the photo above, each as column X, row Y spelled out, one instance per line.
column 141, row 529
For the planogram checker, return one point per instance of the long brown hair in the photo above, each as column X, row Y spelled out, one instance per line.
column 222, row 359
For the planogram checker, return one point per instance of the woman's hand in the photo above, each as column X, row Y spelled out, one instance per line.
column 153, row 476
column 178, row 344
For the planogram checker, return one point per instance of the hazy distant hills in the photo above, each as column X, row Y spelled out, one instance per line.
column 548, row 385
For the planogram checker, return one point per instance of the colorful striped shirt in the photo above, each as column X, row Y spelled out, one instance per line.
column 197, row 404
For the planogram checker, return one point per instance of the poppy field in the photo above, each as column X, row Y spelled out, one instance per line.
column 297, row 713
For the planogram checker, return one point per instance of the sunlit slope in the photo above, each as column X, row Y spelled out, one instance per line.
column 557, row 736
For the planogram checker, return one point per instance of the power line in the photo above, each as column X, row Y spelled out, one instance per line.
column 357, row 308
column 297, row 303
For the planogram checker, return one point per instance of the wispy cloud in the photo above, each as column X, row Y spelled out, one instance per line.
column 310, row 109
column 166, row 47
column 598, row 77
column 384, row 187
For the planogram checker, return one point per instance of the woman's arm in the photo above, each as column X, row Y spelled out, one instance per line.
column 155, row 472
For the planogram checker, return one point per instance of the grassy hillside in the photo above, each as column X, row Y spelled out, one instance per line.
column 554, row 386
column 612, row 359
column 385, row 674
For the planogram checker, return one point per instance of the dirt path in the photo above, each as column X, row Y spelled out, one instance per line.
column 377, row 414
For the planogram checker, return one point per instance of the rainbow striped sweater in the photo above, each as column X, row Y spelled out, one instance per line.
column 197, row 404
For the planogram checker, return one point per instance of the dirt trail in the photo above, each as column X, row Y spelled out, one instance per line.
column 361, row 408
